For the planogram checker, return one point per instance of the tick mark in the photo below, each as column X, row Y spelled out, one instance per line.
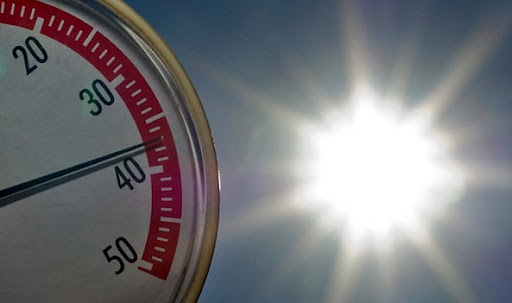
column 135, row 93
column 141, row 101
column 163, row 159
column 158, row 248
column 89, row 38
column 103, row 53
column 111, row 60
column 162, row 239
column 130, row 84
column 117, row 80
column 156, row 259
column 61, row 24
column 155, row 117
column 118, row 68
column 95, row 47
column 147, row 110
column 78, row 35
column 169, row 220
column 70, row 30
column 154, row 129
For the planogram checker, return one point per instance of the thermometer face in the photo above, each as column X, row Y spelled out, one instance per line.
column 109, row 188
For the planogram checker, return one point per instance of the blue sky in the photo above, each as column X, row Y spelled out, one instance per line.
column 260, row 65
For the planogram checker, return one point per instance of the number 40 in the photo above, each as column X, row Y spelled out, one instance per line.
column 134, row 171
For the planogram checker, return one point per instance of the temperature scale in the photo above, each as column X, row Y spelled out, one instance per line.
column 109, row 186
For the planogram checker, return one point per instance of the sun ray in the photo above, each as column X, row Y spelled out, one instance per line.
column 470, row 134
column 405, row 58
column 387, row 268
column 252, row 98
column 265, row 212
column 492, row 30
column 346, row 270
column 488, row 175
column 306, row 249
column 355, row 43
column 309, row 84
column 444, row 269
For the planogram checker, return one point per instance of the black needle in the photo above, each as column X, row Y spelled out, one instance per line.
column 55, row 175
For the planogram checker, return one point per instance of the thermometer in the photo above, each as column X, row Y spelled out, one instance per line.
column 109, row 186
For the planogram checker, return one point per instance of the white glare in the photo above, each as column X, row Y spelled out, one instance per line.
column 375, row 170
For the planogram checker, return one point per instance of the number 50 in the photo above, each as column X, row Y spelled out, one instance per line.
column 131, row 257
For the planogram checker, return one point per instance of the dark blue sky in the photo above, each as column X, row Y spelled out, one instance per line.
column 255, row 65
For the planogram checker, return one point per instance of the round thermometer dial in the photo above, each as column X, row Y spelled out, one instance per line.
column 109, row 185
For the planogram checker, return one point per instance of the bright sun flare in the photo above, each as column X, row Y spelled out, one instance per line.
column 376, row 171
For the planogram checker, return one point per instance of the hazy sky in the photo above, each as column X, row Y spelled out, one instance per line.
column 263, row 67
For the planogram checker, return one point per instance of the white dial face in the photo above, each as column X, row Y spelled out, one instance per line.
column 101, row 197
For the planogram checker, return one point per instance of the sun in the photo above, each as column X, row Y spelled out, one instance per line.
column 374, row 170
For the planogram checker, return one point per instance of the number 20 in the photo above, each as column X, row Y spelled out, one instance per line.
column 41, row 56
